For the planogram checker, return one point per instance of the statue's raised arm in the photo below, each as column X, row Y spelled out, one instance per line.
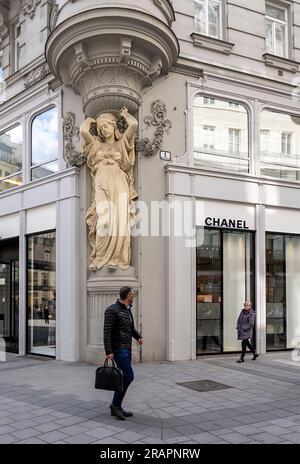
column 85, row 130
column 131, row 121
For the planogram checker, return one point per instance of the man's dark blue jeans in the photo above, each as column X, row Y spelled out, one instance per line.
column 123, row 361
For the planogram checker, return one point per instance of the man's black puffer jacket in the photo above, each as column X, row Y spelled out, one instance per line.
column 118, row 328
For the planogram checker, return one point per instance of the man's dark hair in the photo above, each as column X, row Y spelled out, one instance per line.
column 124, row 292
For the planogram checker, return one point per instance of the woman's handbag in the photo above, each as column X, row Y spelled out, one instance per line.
column 109, row 377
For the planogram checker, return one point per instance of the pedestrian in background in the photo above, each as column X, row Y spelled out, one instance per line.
column 244, row 327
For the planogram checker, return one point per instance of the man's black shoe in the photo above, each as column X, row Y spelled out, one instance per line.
column 255, row 356
column 117, row 412
column 240, row 360
column 126, row 413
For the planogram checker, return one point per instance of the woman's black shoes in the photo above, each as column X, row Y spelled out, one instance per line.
column 240, row 360
column 255, row 356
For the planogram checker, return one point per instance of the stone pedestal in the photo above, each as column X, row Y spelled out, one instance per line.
column 102, row 290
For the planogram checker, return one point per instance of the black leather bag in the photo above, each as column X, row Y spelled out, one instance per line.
column 109, row 377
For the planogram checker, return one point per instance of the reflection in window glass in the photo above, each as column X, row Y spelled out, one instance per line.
column 45, row 170
column 221, row 135
column 280, row 157
column 11, row 158
column 276, row 30
column 45, row 142
column 208, row 17
column 41, row 293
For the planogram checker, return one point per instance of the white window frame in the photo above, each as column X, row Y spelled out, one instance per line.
column 267, row 133
column 210, row 133
column 232, row 142
column 288, row 135
column 284, row 23
column 51, row 160
column 206, row 22
column 17, row 173
column 15, row 37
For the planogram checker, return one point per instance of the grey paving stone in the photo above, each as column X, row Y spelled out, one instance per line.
column 51, row 437
column 27, row 433
column 8, row 438
column 268, row 438
column 80, row 439
column 32, row 441
column 129, row 437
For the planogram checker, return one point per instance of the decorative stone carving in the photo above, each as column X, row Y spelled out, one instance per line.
column 166, row 7
column 156, row 119
column 110, row 156
column 36, row 75
column 53, row 16
column 110, row 54
column 3, row 34
column 29, row 7
column 71, row 156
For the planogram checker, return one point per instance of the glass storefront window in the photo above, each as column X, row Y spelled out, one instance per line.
column 280, row 145
column 220, row 135
column 44, row 152
column 11, row 158
column 224, row 280
column 282, row 290
column 41, row 294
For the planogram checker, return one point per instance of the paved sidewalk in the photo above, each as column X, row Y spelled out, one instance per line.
column 47, row 401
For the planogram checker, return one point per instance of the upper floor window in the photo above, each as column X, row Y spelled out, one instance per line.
column 280, row 157
column 221, row 135
column 44, row 154
column 11, row 158
column 277, row 29
column 208, row 17
column 15, row 36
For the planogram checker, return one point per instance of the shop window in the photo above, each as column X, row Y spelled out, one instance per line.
column 208, row 17
column 282, row 290
column 221, row 135
column 280, row 145
column 11, row 158
column 44, row 149
column 277, row 29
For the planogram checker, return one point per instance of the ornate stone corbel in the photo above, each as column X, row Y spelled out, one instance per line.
column 29, row 7
column 156, row 119
column 71, row 156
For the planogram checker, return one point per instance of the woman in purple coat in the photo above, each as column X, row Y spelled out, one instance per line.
column 244, row 329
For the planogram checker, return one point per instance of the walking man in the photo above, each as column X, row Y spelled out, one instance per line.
column 244, row 329
column 118, row 332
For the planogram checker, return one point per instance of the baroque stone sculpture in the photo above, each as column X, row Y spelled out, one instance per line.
column 110, row 156
column 156, row 119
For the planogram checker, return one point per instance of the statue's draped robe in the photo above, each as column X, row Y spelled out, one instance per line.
column 111, row 213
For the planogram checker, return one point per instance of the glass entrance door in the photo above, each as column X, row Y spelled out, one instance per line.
column 9, row 305
column 41, row 294
column 225, row 280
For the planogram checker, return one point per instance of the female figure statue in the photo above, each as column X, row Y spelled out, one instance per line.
column 110, row 157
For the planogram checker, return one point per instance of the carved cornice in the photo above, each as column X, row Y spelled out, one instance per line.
column 156, row 119
column 36, row 75
column 71, row 156
column 29, row 7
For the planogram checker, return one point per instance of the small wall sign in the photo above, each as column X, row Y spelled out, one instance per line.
column 165, row 155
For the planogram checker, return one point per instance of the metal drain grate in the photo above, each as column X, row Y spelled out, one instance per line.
column 204, row 385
